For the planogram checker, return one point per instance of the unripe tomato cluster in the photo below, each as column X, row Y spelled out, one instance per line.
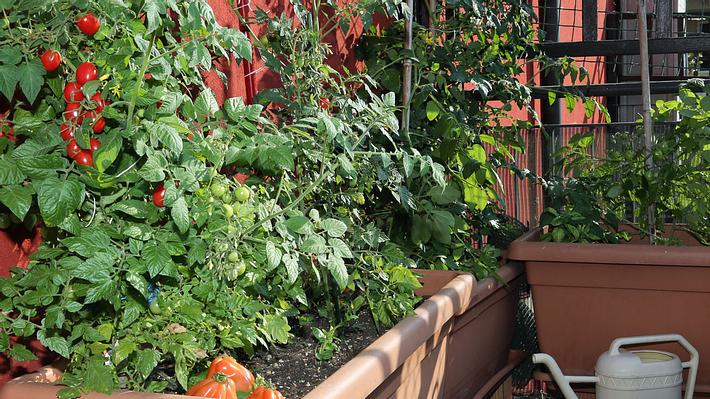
column 77, row 109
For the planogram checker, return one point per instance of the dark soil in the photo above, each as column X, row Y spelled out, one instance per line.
column 294, row 369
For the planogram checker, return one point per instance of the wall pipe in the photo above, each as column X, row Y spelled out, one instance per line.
column 248, row 75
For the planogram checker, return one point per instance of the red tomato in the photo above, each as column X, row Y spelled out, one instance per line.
column 159, row 196
column 84, row 157
column 94, row 144
column 73, row 113
column 72, row 92
column 265, row 393
column 217, row 387
column 242, row 377
column 99, row 101
column 86, row 72
column 99, row 125
column 66, row 131
column 73, row 149
column 51, row 60
column 324, row 103
column 88, row 23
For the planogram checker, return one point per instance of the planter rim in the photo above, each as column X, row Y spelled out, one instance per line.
column 367, row 370
column 529, row 248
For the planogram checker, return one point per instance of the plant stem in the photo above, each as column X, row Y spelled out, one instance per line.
column 141, row 73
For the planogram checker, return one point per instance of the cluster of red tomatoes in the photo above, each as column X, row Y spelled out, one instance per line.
column 79, row 108
column 226, row 377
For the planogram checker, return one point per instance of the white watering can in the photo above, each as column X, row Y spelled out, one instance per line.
column 639, row 374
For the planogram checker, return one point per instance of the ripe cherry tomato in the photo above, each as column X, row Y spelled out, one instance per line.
column 73, row 149
column 94, row 144
column 99, row 101
column 88, row 23
column 72, row 113
column 159, row 196
column 265, row 393
column 216, row 386
column 72, row 92
column 98, row 125
column 324, row 102
column 242, row 194
column 86, row 72
column 51, row 60
column 242, row 378
column 66, row 131
column 84, row 157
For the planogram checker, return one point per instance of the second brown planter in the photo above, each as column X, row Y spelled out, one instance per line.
column 585, row 295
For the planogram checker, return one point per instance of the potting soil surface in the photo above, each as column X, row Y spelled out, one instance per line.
column 294, row 369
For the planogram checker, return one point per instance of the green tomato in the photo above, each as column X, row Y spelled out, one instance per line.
column 227, row 198
column 223, row 247
column 231, row 230
column 228, row 211
column 233, row 256
column 155, row 308
column 240, row 268
column 218, row 189
column 242, row 194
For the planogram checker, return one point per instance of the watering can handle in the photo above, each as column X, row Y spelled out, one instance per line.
column 650, row 339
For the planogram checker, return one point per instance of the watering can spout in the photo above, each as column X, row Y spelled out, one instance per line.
column 560, row 379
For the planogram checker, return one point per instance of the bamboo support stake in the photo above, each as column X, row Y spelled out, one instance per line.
column 646, row 97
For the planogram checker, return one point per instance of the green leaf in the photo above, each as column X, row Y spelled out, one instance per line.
column 298, row 224
column 334, row 227
column 58, row 198
column 166, row 134
column 124, row 349
column 292, row 268
column 89, row 243
column 180, row 214
column 99, row 376
column 56, row 344
column 41, row 166
column 273, row 255
column 421, row 231
column 277, row 328
column 9, row 76
column 135, row 208
column 97, row 269
column 31, row 79
column 20, row 353
column 314, row 244
column 206, row 104
column 105, row 290
column 337, row 269
column 551, row 97
column 111, row 145
column 10, row 172
column 17, row 198
column 156, row 259
column 478, row 153
column 340, row 248
column 10, row 55
column 432, row 110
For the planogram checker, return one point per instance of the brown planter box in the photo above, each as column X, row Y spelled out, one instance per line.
column 455, row 346
column 585, row 295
